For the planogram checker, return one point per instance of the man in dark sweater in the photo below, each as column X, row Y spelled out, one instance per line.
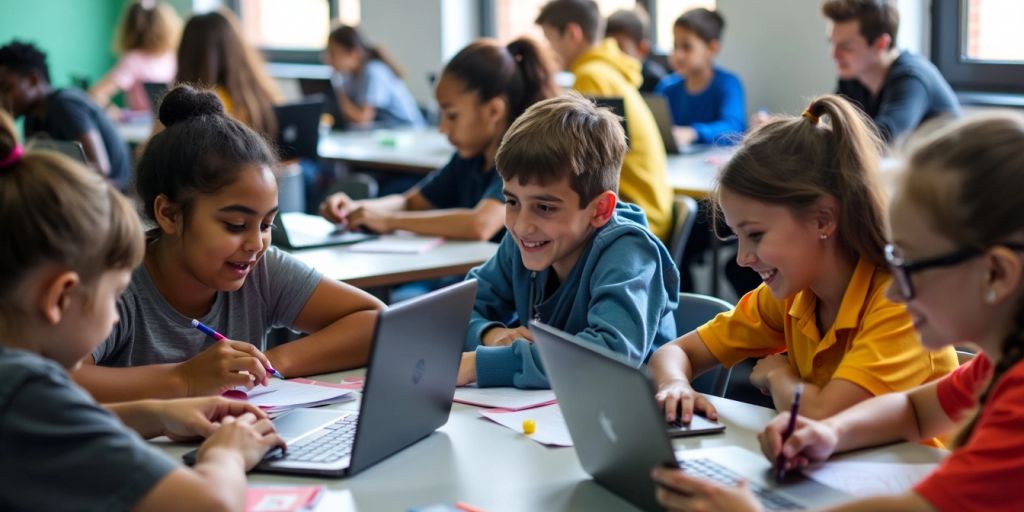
column 897, row 89
column 60, row 114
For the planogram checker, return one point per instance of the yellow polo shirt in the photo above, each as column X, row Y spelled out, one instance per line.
column 872, row 342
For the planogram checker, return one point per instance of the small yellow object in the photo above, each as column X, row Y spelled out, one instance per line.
column 529, row 427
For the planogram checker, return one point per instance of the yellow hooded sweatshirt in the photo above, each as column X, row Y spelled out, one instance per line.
column 604, row 70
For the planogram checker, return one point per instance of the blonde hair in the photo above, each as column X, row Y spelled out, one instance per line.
column 794, row 161
column 968, row 178
column 566, row 136
column 55, row 210
column 149, row 26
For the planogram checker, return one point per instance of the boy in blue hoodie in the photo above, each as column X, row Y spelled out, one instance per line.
column 573, row 257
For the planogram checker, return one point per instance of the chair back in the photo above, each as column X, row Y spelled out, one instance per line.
column 695, row 310
column 684, row 216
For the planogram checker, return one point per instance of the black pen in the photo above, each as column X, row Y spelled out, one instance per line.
column 780, row 462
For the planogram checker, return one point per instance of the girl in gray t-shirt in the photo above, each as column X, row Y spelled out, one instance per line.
column 70, row 242
column 206, row 184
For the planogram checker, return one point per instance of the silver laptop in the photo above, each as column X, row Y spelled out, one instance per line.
column 407, row 395
column 297, row 230
column 663, row 118
column 619, row 432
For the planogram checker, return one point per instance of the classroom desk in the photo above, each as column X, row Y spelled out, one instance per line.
column 369, row 270
column 414, row 151
column 694, row 174
column 134, row 131
column 473, row 460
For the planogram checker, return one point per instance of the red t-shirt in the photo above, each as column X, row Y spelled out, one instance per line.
column 987, row 472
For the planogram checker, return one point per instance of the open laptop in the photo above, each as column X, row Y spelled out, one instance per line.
column 69, row 148
column 296, row 230
column 619, row 432
column 618, row 107
column 155, row 91
column 407, row 395
column 298, row 129
column 663, row 118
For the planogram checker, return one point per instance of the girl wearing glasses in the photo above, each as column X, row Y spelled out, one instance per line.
column 802, row 198
column 957, row 237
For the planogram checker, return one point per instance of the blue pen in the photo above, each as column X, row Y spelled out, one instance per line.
column 220, row 337
column 780, row 462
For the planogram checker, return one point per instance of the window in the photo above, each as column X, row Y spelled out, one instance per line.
column 514, row 18
column 977, row 46
column 665, row 14
column 293, row 30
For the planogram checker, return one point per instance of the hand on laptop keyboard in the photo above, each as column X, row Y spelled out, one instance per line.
column 705, row 485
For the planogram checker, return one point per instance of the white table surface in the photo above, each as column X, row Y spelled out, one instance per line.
column 365, row 270
column 474, row 460
column 416, row 151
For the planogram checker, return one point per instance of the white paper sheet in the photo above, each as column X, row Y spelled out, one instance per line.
column 551, row 429
column 870, row 478
column 512, row 399
column 288, row 394
column 400, row 243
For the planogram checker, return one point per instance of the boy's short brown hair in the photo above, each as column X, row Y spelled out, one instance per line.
column 876, row 17
column 633, row 23
column 707, row 25
column 565, row 137
column 585, row 13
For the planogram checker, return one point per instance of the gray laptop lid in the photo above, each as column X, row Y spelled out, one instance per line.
column 619, row 436
column 663, row 118
column 297, row 230
column 298, row 129
column 410, row 382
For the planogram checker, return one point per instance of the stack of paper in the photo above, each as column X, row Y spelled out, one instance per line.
column 860, row 479
column 282, row 499
column 550, row 429
column 282, row 395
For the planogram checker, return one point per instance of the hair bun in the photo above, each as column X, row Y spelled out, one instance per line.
column 185, row 102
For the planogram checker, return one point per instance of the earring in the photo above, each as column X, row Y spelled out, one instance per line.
column 824, row 236
column 990, row 296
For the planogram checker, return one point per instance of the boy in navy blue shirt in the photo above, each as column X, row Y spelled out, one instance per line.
column 573, row 256
column 60, row 114
column 707, row 102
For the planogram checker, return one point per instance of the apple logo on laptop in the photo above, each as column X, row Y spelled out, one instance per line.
column 290, row 133
column 606, row 425
column 417, row 374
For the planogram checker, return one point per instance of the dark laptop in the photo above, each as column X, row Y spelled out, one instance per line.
column 155, row 91
column 619, row 432
column 618, row 107
column 407, row 395
column 296, row 230
column 663, row 118
column 69, row 148
column 298, row 129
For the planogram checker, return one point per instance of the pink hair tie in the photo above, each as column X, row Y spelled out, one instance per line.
column 13, row 157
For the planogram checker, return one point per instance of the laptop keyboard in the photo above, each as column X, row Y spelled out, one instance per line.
column 711, row 470
column 331, row 443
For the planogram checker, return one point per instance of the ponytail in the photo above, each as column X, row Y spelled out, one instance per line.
column 520, row 72
column 794, row 161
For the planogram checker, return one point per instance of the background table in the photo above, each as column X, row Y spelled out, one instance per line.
column 416, row 151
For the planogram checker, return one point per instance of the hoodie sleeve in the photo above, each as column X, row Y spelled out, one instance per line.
column 495, row 304
column 731, row 118
column 628, row 301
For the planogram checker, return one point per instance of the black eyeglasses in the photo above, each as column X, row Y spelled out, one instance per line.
column 903, row 269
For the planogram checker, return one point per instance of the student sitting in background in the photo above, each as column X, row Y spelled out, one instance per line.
column 896, row 89
column 802, row 197
column 573, row 257
column 706, row 101
column 147, row 40
column 60, row 114
column 957, row 238
column 631, row 28
column 368, row 82
column 574, row 29
column 70, row 242
column 213, row 54
column 205, row 182
column 482, row 90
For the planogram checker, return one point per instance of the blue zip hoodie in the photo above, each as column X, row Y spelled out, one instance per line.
column 620, row 295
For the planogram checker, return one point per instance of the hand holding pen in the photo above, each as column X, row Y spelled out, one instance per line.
column 222, row 366
column 220, row 337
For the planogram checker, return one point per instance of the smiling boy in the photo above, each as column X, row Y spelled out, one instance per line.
column 574, row 257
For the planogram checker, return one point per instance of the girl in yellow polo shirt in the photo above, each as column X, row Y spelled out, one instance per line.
column 802, row 197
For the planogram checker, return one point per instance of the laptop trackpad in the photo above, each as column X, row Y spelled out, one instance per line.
column 299, row 422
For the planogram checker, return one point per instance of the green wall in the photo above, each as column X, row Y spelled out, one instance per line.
column 76, row 35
